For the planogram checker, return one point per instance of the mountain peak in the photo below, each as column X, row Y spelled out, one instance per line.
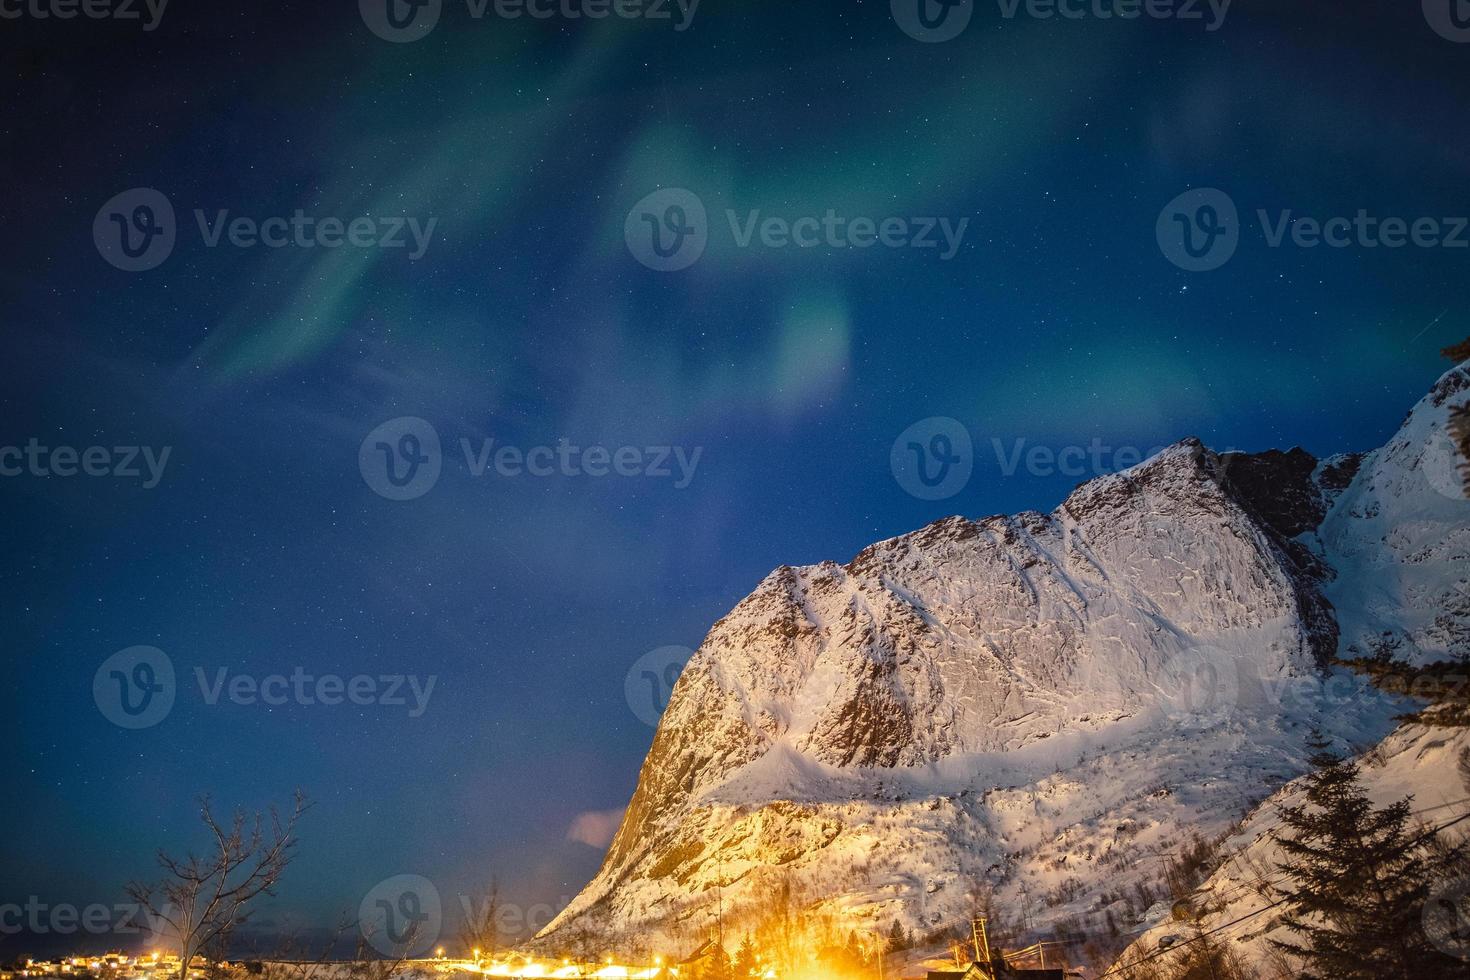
column 980, row 698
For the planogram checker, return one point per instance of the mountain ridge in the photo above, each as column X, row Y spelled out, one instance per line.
column 986, row 697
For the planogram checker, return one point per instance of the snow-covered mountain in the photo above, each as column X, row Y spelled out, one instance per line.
column 1038, row 708
column 1398, row 540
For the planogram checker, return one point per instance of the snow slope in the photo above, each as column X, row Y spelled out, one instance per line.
column 1400, row 543
column 1236, row 901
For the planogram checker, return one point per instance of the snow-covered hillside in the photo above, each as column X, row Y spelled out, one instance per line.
column 1236, row 902
column 1039, row 708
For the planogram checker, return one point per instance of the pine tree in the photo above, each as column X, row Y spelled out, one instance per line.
column 745, row 959
column 1358, row 880
column 717, row 965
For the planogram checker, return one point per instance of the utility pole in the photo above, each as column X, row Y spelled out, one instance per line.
column 978, row 935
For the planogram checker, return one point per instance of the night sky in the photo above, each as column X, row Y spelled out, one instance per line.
column 529, row 319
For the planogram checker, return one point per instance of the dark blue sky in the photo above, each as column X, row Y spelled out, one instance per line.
column 527, row 320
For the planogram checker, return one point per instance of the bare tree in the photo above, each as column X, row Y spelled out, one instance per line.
column 482, row 921
column 203, row 899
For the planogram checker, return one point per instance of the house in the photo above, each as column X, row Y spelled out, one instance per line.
column 971, row 972
column 975, row 971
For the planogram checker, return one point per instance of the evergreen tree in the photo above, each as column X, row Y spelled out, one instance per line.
column 745, row 959
column 717, row 965
column 1358, row 880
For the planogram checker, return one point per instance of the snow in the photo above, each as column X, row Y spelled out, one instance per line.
column 1414, row 761
column 1400, row 542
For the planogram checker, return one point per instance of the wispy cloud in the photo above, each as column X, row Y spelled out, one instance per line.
column 595, row 828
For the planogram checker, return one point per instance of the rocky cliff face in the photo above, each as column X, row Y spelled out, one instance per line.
column 1035, row 707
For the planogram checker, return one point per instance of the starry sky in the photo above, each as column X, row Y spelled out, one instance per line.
column 529, row 319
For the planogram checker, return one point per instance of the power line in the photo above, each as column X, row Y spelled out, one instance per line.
column 1280, row 901
column 1242, row 886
